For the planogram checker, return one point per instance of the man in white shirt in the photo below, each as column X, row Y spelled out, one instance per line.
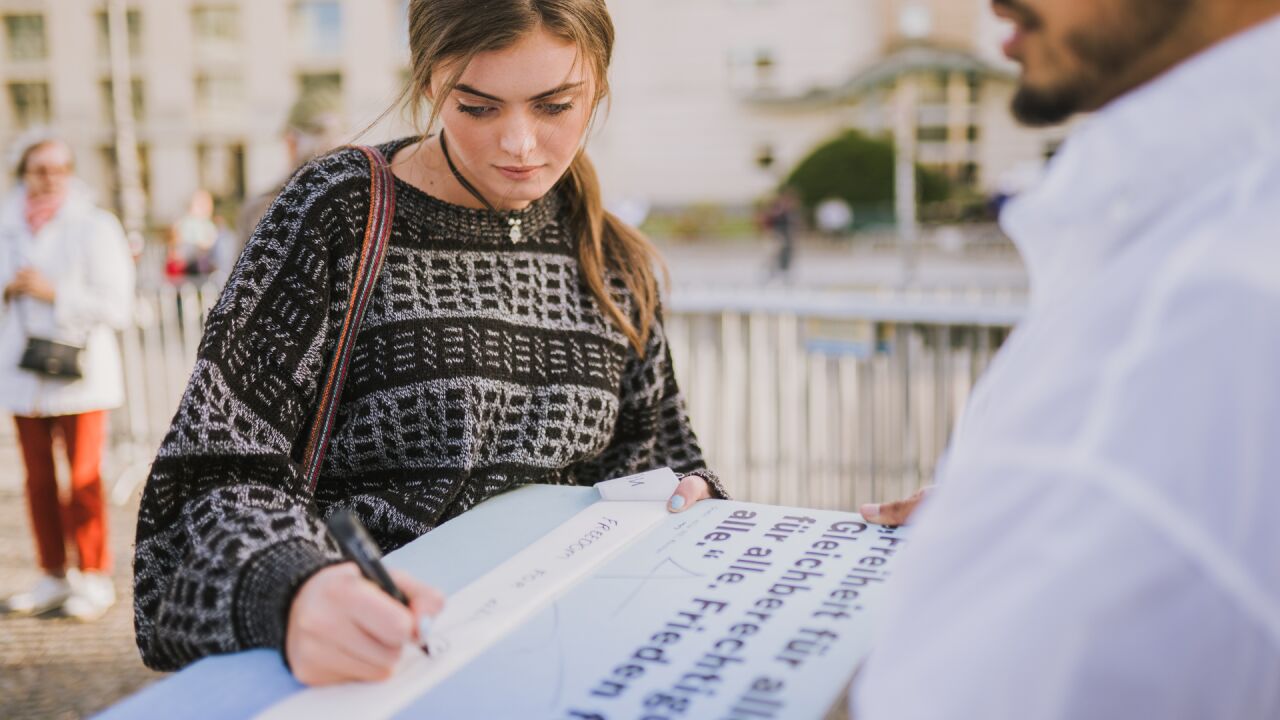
column 1104, row 541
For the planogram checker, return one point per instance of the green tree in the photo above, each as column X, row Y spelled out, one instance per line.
column 859, row 170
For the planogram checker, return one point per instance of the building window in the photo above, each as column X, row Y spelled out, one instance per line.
column 319, row 83
column 30, row 103
column 133, row 21
column 317, row 28
column 933, row 88
column 932, row 133
column 974, row 82
column 219, row 94
column 216, row 26
column 221, row 169
column 973, row 133
column 752, row 70
column 765, row 156
column 25, row 35
column 108, row 99
column 110, row 178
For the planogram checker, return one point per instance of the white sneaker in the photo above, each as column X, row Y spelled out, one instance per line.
column 48, row 594
column 91, row 596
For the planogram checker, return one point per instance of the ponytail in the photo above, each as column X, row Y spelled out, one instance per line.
column 606, row 244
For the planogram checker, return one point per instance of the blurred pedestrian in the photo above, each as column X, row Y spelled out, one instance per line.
column 192, row 239
column 315, row 126
column 781, row 217
column 68, row 285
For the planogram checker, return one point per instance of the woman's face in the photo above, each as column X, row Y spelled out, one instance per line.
column 47, row 169
column 517, row 117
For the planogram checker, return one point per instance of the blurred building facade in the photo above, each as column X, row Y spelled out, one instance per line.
column 713, row 99
column 213, row 81
column 717, row 99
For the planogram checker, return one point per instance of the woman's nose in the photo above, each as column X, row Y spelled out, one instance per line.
column 519, row 139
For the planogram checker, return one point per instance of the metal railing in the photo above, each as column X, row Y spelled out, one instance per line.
column 828, row 400
column 819, row 400
column 158, row 352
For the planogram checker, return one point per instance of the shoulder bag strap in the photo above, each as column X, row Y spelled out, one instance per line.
column 377, row 236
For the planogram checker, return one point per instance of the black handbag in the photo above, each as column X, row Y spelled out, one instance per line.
column 52, row 358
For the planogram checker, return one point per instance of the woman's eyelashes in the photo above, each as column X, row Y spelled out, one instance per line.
column 484, row 111
column 477, row 111
column 555, row 108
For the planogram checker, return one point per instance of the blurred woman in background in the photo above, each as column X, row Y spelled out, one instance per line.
column 68, row 279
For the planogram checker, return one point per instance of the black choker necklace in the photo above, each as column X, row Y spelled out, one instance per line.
column 512, row 222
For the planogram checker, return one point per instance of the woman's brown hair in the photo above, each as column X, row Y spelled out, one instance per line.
column 453, row 32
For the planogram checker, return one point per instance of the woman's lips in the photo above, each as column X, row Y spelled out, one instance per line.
column 519, row 172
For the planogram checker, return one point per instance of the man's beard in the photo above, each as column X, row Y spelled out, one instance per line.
column 1103, row 52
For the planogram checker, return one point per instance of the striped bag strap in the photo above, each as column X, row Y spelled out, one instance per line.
column 377, row 236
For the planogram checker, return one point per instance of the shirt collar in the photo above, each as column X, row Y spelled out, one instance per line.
column 1140, row 154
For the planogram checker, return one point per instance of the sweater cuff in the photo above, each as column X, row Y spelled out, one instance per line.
column 713, row 482
column 264, row 593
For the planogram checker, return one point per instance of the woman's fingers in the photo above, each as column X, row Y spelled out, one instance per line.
column 367, row 654
column 426, row 601
column 322, row 659
column 343, row 627
column 379, row 615
column 690, row 490
column 894, row 513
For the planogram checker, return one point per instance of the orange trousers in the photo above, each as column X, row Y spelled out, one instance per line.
column 83, row 518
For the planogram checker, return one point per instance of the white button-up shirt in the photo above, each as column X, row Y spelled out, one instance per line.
column 1105, row 539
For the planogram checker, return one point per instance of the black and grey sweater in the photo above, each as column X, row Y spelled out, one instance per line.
column 482, row 365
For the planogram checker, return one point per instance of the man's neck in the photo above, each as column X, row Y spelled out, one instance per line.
column 1212, row 22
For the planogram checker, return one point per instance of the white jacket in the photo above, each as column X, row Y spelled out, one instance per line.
column 1105, row 538
column 83, row 252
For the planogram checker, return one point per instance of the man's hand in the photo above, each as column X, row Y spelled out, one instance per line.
column 690, row 490
column 897, row 512
column 342, row 627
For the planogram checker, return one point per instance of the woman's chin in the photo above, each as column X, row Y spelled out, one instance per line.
column 519, row 194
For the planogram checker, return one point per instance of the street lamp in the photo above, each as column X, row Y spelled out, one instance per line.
column 128, row 169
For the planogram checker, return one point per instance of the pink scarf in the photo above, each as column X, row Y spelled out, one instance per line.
column 41, row 209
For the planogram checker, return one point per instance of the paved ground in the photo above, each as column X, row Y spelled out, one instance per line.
column 54, row 667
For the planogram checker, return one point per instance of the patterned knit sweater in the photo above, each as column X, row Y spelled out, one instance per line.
column 482, row 365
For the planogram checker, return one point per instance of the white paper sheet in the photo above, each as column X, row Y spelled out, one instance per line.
column 482, row 613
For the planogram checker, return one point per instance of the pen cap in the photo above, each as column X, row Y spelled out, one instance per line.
column 352, row 537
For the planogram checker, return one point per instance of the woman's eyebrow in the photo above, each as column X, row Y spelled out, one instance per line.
column 460, row 87
column 556, row 91
column 472, row 91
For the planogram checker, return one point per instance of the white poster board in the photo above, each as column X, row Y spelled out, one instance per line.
column 728, row 610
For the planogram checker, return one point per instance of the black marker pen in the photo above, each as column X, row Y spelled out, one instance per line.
column 359, row 548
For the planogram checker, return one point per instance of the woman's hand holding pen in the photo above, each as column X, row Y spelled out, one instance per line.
column 342, row 627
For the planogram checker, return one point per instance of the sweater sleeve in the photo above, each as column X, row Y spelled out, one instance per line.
column 226, row 530
column 652, row 429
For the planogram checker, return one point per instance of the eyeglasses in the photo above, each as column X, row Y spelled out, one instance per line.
column 49, row 171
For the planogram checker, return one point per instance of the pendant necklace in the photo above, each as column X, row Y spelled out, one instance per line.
column 515, row 233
